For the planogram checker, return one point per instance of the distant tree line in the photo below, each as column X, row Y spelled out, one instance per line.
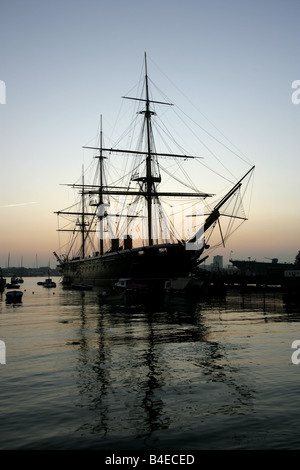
column 29, row 272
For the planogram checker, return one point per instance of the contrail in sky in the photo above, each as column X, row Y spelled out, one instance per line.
column 20, row 204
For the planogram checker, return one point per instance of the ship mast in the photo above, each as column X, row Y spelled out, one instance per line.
column 101, row 183
column 82, row 224
column 149, row 179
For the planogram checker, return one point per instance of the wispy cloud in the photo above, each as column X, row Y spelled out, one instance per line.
column 18, row 204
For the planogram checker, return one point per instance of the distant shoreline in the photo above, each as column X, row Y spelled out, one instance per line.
column 29, row 272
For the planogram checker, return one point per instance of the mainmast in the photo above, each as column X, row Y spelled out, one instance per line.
column 149, row 180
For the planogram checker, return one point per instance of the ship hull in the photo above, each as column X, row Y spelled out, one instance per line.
column 153, row 264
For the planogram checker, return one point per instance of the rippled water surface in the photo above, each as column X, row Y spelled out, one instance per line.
column 87, row 372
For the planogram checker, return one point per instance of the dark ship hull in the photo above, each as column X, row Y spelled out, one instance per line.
column 151, row 264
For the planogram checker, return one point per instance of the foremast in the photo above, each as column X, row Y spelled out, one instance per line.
column 101, row 157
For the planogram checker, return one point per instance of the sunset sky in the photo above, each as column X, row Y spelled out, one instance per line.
column 66, row 62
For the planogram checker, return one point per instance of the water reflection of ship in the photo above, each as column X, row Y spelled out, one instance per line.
column 128, row 377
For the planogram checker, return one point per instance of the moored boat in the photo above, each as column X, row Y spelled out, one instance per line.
column 12, row 286
column 49, row 283
column 129, row 284
column 14, row 296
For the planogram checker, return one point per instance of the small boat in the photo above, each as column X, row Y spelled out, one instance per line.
column 14, row 280
column 128, row 284
column 49, row 283
column 14, row 296
column 12, row 286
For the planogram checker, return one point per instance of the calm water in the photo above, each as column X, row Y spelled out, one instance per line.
column 83, row 372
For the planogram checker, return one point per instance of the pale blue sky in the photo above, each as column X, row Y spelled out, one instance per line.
column 66, row 62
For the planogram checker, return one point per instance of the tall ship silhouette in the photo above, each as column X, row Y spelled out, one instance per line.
column 126, row 223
